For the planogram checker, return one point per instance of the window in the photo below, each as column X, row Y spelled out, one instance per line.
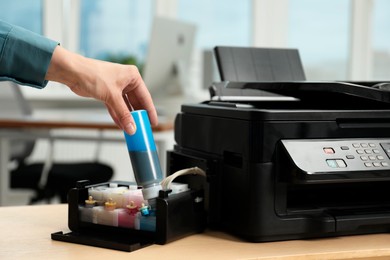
column 116, row 30
column 381, row 40
column 24, row 13
column 220, row 22
column 320, row 31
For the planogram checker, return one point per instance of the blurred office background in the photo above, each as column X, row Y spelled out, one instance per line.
column 337, row 40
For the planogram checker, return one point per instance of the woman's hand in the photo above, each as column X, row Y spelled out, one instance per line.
column 105, row 81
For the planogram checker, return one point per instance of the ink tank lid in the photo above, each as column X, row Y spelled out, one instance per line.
column 151, row 192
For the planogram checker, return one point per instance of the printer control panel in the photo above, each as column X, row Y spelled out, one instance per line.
column 344, row 157
column 369, row 154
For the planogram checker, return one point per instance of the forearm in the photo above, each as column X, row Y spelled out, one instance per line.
column 24, row 55
column 30, row 59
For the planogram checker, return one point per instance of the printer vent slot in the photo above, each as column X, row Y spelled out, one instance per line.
column 364, row 123
column 233, row 159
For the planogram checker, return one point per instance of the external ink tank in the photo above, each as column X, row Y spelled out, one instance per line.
column 143, row 156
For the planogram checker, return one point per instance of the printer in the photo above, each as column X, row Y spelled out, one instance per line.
column 287, row 158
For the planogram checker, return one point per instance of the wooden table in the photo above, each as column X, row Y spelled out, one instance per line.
column 91, row 123
column 26, row 230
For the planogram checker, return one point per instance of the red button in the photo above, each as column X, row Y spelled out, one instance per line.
column 328, row 150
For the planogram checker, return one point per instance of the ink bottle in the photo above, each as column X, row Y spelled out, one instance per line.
column 143, row 156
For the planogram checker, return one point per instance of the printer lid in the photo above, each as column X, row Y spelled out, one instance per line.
column 273, row 74
column 297, row 91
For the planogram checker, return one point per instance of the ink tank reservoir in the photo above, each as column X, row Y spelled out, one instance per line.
column 143, row 156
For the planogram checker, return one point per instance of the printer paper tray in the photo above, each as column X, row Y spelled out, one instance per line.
column 358, row 222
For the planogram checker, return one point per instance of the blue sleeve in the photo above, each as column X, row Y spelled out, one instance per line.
column 24, row 55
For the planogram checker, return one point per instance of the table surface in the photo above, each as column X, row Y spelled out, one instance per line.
column 26, row 230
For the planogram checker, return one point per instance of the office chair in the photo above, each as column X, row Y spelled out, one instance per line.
column 47, row 179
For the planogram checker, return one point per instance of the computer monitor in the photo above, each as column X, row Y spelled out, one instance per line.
column 169, row 55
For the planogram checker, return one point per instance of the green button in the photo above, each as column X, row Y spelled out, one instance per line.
column 332, row 163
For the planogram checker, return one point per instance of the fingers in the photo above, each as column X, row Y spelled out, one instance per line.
column 140, row 102
column 121, row 115
column 127, row 96
column 140, row 98
column 113, row 116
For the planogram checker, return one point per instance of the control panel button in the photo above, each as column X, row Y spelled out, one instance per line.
column 359, row 151
column 344, row 148
column 350, row 156
column 364, row 158
column 376, row 164
column 372, row 157
column 368, row 164
column 385, row 164
column 368, row 151
column 372, row 145
column 380, row 157
column 364, row 145
column 332, row 163
column 341, row 163
column 336, row 163
column 376, row 151
column 328, row 150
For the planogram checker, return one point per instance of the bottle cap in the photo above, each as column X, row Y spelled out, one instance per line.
column 151, row 192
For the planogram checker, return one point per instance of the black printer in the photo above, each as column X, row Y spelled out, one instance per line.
column 287, row 158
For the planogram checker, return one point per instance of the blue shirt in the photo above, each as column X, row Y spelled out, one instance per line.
column 24, row 56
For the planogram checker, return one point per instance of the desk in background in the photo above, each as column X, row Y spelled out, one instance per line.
column 39, row 128
column 26, row 231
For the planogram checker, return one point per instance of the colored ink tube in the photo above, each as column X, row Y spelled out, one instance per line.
column 143, row 156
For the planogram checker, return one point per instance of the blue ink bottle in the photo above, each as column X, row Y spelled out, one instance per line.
column 143, row 156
